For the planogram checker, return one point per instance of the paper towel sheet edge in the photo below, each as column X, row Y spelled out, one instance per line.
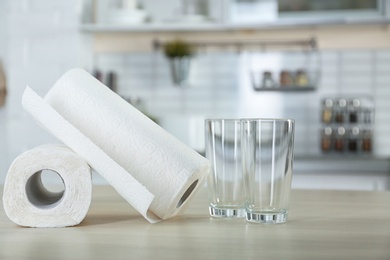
column 53, row 128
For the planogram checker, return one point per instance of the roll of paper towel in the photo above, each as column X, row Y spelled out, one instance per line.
column 149, row 167
column 26, row 200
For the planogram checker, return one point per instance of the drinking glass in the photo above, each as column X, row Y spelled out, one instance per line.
column 225, row 182
column 267, row 162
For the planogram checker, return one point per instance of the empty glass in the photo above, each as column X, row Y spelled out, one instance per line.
column 267, row 161
column 225, row 182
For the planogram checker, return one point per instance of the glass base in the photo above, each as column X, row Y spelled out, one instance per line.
column 267, row 217
column 226, row 212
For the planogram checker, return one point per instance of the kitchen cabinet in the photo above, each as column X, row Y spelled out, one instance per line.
column 223, row 15
column 368, row 173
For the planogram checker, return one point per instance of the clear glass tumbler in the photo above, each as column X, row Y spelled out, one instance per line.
column 267, row 156
column 225, row 182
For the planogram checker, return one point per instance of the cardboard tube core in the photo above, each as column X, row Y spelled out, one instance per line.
column 187, row 194
column 39, row 195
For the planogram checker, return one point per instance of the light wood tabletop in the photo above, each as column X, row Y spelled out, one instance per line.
column 321, row 225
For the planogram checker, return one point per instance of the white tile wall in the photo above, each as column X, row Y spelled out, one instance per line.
column 213, row 83
column 3, row 139
column 2, row 29
column 42, row 41
column 220, row 86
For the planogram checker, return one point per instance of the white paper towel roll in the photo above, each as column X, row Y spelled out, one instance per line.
column 123, row 182
column 167, row 168
column 27, row 202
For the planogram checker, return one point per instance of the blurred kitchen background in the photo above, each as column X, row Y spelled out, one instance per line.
column 244, row 51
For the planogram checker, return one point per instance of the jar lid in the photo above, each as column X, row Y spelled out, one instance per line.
column 328, row 130
column 356, row 102
column 342, row 102
column 355, row 130
column 328, row 102
column 367, row 131
column 341, row 130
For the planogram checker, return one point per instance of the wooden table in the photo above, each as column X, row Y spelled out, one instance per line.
column 321, row 225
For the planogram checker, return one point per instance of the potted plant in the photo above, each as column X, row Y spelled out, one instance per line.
column 179, row 53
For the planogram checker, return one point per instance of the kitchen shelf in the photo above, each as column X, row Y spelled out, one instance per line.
column 218, row 26
column 304, row 44
column 152, row 27
column 295, row 76
column 287, row 89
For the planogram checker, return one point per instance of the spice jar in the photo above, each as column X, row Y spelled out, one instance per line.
column 339, row 141
column 353, row 139
column 268, row 81
column 301, row 79
column 367, row 141
column 286, row 80
column 327, row 111
column 367, row 116
column 340, row 110
column 326, row 139
column 353, row 110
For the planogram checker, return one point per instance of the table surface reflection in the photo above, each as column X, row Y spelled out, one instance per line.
column 321, row 225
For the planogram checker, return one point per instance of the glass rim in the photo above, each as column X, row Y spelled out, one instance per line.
column 222, row 119
column 250, row 119
column 268, row 120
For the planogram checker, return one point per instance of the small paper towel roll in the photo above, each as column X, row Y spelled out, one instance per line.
column 28, row 203
column 167, row 168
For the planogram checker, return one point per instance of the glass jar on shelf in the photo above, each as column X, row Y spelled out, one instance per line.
column 327, row 111
column 353, row 140
column 268, row 81
column 367, row 141
column 340, row 110
column 301, row 79
column 340, row 139
column 367, row 111
column 326, row 139
column 367, row 116
column 354, row 110
column 286, row 79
